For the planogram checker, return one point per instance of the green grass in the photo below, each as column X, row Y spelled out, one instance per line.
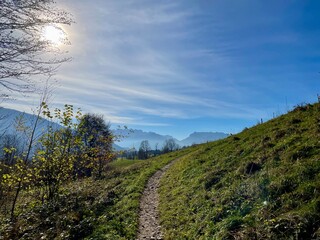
column 263, row 183
column 120, row 163
column 91, row 209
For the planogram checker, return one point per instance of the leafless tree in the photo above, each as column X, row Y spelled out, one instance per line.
column 24, row 52
column 170, row 145
column 144, row 150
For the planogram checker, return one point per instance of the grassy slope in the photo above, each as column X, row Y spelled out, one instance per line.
column 263, row 183
column 101, row 209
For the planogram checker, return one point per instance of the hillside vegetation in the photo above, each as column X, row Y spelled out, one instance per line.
column 88, row 208
column 263, row 183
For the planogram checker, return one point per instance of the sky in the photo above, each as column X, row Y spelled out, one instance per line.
column 176, row 67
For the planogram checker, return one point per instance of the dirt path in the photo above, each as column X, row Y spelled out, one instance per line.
column 149, row 226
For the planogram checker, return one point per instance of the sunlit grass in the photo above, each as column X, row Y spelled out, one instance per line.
column 120, row 163
column 263, row 183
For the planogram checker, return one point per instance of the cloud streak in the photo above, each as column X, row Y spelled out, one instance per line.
column 154, row 63
column 133, row 69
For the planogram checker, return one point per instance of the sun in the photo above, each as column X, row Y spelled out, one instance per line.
column 53, row 34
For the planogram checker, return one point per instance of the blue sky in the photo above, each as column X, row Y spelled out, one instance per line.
column 175, row 67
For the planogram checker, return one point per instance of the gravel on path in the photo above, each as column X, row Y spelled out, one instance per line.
column 149, row 226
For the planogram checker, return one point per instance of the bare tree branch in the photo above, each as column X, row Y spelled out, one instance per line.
column 24, row 53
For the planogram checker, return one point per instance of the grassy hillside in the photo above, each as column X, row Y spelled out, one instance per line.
column 263, row 183
column 91, row 209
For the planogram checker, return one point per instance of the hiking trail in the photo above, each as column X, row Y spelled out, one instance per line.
column 149, row 226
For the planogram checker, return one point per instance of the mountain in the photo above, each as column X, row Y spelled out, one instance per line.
column 129, row 138
column 9, row 119
column 116, row 147
column 202, row 137
column 16, row 128
column 134, row 137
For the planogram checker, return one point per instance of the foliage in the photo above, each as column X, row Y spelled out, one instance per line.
column 54, row 163
column 60, row 158
column 105, row 208
column 97, row 138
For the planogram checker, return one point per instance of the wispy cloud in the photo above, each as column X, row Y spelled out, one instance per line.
column 151, row 62
column 132, row 65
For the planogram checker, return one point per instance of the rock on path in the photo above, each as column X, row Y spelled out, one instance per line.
column 149, row 226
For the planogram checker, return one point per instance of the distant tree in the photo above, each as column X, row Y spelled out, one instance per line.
column 144, row 150
column 156, row 146
column 132, row 153
column 98, row 140
column 156, row 150
column 24, row 52
column 170, row 145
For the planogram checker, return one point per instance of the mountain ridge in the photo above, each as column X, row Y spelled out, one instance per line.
column 128, row 138
column 133, row 138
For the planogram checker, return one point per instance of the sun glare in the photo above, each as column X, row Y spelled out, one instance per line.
column 54, row 35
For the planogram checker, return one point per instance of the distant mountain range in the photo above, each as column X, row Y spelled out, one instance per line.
column 202, row 137
column 9, row 120
column 133, row 138
column 128, row 138
column 16, row 128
